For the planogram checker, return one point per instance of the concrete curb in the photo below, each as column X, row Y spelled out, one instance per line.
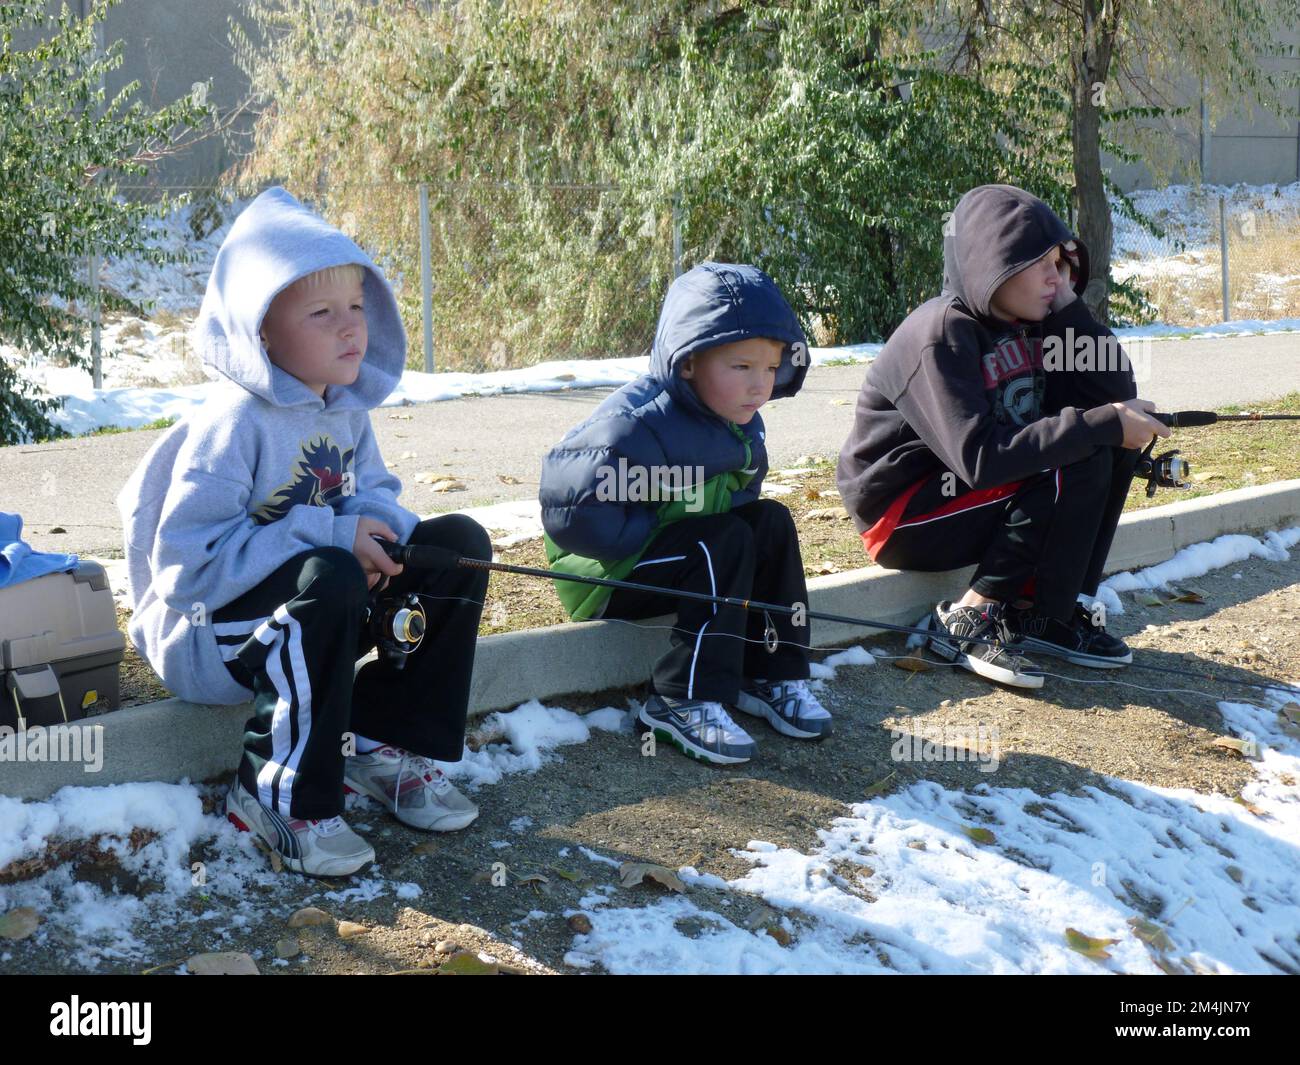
column 172, row 739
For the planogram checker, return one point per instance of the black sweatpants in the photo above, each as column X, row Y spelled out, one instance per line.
column 750, row 552
column 1050, row 533
column 295, row 640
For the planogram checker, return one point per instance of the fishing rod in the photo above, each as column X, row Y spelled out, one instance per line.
column 427, row 556
column 1168, row 470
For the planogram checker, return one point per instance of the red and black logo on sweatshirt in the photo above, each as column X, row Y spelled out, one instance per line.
column 322, row 471
column 1013, row 372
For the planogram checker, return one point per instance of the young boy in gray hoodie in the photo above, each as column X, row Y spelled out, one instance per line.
column 250, row 533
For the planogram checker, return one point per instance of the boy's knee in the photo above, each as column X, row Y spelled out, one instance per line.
column 772, row 513
column 340, row 570
column 455, row 532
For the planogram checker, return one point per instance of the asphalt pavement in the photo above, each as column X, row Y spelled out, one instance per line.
column 494, row 445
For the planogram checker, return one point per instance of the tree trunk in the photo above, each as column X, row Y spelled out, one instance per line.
column 1095, row 230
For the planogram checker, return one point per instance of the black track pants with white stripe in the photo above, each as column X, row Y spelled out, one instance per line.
column 751, row 552
column 1053, row 529
column 294, row 640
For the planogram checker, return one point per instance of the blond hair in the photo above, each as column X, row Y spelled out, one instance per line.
column 343, row 273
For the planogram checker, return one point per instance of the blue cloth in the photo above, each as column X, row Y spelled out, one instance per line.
column 18, row 562
column 658, row 420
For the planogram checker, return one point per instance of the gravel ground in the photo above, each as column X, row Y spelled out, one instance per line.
column 603, row 795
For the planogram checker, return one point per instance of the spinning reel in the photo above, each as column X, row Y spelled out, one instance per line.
column 1166, row 470
column 396, row 623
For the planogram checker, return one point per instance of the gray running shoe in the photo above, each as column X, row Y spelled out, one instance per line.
column 411, row 788
column 789, row 706
column 702, row 730
column 325, row 847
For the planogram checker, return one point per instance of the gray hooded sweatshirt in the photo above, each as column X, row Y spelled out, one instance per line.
column 264, row 469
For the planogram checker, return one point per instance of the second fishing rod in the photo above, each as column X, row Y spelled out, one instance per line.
column 408, row 619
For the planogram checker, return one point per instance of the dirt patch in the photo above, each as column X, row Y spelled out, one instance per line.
column 603, row 795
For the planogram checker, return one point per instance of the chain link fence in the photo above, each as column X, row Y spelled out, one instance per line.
column 495, row 276
column 488, row 276
column 1228, row 253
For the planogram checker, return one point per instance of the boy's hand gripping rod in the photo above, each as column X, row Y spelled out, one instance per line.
column 424, row 556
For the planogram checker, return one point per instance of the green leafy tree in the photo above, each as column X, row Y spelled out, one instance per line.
column 59, row 149
column 817, row 138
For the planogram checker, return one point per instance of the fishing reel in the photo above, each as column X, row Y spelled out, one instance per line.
column 397, row 624
column 1162, row 471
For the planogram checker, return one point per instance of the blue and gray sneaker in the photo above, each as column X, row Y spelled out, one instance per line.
column 698, row 729
column 789, row 706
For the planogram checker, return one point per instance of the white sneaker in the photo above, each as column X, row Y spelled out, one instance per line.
column 789, row 706
column 326, row 847
column 411, row 787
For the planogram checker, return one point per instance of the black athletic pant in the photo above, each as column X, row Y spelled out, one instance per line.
column 1051, row 532
column 751, row 552
column 295, row 640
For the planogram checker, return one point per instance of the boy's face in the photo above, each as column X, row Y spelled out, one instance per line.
column 317, row 332
column 1028, row 295
column 734, row 380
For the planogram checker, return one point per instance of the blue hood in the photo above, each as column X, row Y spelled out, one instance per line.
column 718, row 303
column 274, row 242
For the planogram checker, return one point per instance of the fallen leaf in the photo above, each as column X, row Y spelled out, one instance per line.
column 1235, row 874
column 579, row 924
column 467, row 964
column 569, row 875
column 827, row 514
column 778, row 933
column 1087, row 945
column 1146, row 597
column 1245, row 748
column 918, row 845
column 19, row 923
column 309, row 916
column 827, row 567
column 401, row 417
column 913, row 663
column 222, row 963
column 1167, row 965
column 505, row 478
column 880, row 786
column 812, row 494
column 1207, row 475
column 350, row 930
column 979, row 835
column 1187, row 595
column 633, row 873
column 1151, row 934
column 1250, row 806
column 565, row 377
column 839, row 403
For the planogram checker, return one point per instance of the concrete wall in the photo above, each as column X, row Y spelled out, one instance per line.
column 168, row 45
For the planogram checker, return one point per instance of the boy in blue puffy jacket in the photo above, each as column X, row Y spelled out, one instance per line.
column 661, row 486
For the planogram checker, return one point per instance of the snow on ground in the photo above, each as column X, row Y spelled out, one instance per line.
column 896, row 885
column 150, row 371
column 1196, row 560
